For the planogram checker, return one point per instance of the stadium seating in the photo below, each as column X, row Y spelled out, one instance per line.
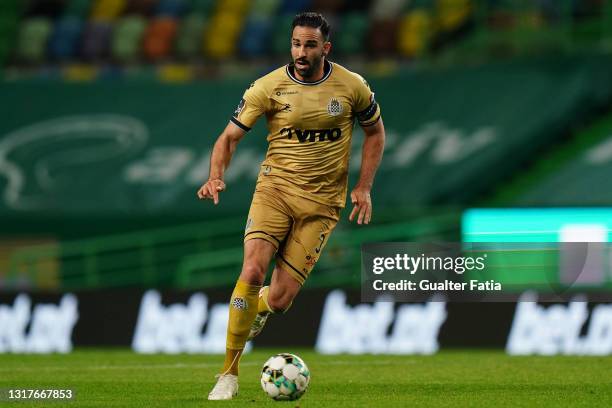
column 189, row 38
column 171, row 8
column 33, row 36
column 126, row 38
column 221, row 34
column 414, row 33
column 124, row 32
column 44, row 8
column 202, row 6
column 158, row 38
column 254, row 40
column 78, row 8
column 107, row 10
column 350, row 37
column 280, row 41
column 64, row 40
column 96, row 40
column 9, row 14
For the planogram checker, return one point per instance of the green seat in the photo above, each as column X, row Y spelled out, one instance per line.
column 281, row 38
column 33, row 36
column 190, row 35
column 78, row 8
column 126, row 38
column 350, row 39
column 264, row 8
column 11, row 7
column 202, row 6
column 8, row 32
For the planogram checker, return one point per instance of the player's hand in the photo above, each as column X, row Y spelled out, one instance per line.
column 362, row 205
column 211, row 190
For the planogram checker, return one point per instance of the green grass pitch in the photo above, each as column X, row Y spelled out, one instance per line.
column 116, row 378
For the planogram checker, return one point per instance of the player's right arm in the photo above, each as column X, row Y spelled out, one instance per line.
column 251, row 107
column 219, row 161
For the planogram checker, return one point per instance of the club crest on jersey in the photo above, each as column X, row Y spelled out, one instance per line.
column 334, row 107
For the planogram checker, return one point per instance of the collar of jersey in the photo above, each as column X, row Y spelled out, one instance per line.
column 327, row 68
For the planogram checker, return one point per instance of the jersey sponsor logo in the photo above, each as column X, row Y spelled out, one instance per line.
column 282, row 92
column 239, row 108
column 312, row 135
column 334, row 107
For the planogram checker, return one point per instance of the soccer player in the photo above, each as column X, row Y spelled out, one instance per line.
column 310, row 106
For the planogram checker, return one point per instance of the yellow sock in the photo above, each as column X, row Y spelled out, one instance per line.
column 232, row 360
column 242, row 312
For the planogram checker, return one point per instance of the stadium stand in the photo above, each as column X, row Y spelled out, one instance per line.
column 43, row 33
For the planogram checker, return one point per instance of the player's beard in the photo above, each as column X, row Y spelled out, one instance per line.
column 312, row 67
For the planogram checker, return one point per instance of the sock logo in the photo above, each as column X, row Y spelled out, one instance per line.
column 239, row 303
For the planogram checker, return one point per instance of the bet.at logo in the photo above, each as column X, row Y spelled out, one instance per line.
column 334, row 107
column 239, row 303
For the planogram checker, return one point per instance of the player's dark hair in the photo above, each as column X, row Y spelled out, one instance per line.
column 314, row 20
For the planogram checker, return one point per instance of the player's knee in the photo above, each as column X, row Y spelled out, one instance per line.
column 253, row 274
column 280, row 303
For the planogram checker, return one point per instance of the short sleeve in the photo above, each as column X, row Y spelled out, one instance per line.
column 366, row 109
column 253, row 104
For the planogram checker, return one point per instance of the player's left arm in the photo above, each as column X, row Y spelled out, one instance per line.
column 371, row 155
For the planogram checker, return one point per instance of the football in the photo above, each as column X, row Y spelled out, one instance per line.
column 285, row 377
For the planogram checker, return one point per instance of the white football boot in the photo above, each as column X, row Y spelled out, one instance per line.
column 226, row 387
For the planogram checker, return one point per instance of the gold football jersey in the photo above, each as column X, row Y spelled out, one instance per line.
column 310, row 126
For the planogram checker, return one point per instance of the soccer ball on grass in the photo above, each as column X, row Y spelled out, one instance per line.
column 285, row 377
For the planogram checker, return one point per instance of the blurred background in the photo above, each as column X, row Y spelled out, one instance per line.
column 109, row 110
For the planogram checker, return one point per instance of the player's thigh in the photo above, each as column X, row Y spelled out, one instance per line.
column 306, row 240
column 269, row 218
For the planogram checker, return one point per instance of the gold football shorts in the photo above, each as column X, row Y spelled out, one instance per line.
column 297, row 227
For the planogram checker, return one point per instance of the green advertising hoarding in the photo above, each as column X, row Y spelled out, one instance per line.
column 142, row 148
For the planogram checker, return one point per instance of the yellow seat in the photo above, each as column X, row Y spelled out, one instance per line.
column 414, row 33
column 107, row 10
column 222, row 33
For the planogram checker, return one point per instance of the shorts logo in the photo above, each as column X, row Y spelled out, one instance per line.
column 322, row 239
column 239, row 303
column 266, row 170
column 310, row 261
column 334, row 107
column 239, row 108
column 249, row 224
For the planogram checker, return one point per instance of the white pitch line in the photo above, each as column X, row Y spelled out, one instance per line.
column 182, row 365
